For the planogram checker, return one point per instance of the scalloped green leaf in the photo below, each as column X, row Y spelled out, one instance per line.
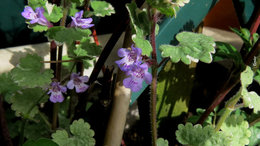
column 37, row 27
column 199, row 136
column 40, row 142
column 143, row 44
column 68, row 35
column 87, row 48
column 25, row 101
column 37, row 3
column 227, row 51
column 162, row 142
column 82, row 135
column 55, row 15
column 73, row 10
column 246, row 77
column 7, row 86
column 30, row 72
column 255, row 135
column 192, row 47
column 102, row 8
column 251, row 99
column 236, row 128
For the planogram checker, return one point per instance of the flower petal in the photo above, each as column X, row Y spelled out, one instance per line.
column 122, row 52
column 84, row 78
column 79, row 14
column 134, row 84
column 74, row 75
column 81, row 88
column 148, row 78
column 70, row 84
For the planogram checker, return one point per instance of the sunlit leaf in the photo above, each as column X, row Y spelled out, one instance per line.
column 162, row 142
column 236, row 128
column 102, row 8
column 192, row 47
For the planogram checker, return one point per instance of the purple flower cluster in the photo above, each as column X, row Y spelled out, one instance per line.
column 76, row 81
column 36, row 17
column 134, row 67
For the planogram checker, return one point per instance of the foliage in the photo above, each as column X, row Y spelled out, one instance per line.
column 7, row 86
column 82, row 135
column 162, row 142
column 251, row 99
column 102, row 8
column 24, row 102
column 200, row 136
column 236, row 129
column 255, row 133
column 192, row 47
column 141, row 26
column 40, row 142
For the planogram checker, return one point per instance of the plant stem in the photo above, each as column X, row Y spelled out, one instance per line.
column 21, row 139
column 3, row 125
column 230, row 106
column 154, row 81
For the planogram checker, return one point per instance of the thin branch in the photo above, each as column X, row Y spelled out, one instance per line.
column 3, row 125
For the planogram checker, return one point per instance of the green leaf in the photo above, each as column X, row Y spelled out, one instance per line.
column 40, row 142
column 102, row 8
column 257, row 76
column 169, row 8
column 255, row 134
column 7, row 86
column 73, row 10
column 200, row 136
column 25, row 101
column 162, row 142
column 78, row 2
column 36, row 3
column 68, row 35
column 236, row 128
column 56, row 14
column 30, row 73
column 255, row 38
column 37, row 129
column 82, row 135
column 192, row 47
column 227, row 51
column 139, row 20
column 87, row 48
column 194, row 118
column 143, row 44
column 251, row 99
column 37, row 27
column 244, row 34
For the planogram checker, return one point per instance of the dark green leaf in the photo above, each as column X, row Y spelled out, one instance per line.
column 30, row 73
column 227, row 51
column 87, row 48
column 257, row 76
column 38, row 27
column 40, row 142
column 25, row 101
column 68, row 35
column 7, row 86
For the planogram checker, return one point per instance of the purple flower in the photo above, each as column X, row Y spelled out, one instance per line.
column 138, row 73
column 130, row 57
column 36, row 17
column 56, row 92
column 78, row 21
column 78, row 82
